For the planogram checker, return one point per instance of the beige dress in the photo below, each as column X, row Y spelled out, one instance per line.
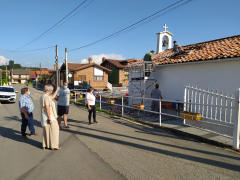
column 50, row 131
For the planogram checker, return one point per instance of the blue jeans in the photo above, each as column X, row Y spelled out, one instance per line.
column 27, row 122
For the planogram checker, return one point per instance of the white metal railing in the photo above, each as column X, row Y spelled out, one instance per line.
column 102, row 95
column 212, row 105
column 195, row 100
column 215, row 108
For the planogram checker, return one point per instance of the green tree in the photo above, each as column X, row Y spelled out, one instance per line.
column 3, row 78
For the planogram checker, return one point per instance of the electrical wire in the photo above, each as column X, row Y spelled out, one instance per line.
column 30, row 50
column 144, row 20
column 70, row 14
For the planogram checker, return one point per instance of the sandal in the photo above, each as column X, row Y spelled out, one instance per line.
column 66, row 126
column 54, row 149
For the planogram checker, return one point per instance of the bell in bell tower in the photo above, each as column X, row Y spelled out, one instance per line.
column 164, row 40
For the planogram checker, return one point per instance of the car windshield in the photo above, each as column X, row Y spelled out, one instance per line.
column 6, row 89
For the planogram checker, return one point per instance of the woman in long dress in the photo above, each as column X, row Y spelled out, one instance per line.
column 49, row 119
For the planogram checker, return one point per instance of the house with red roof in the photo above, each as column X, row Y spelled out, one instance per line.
column 117, row 76
column 93, row 74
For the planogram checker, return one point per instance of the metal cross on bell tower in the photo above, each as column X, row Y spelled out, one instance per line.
column 165, row 27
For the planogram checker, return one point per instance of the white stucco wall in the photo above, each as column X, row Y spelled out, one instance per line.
column 222, row 76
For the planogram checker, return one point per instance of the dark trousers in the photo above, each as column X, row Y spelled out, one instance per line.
column 90, row 112
column 27, row 122
column 155, row 106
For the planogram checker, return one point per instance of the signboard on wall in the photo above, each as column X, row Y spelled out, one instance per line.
column 76, row 83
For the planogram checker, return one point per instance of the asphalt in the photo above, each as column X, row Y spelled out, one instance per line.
column 112, row 149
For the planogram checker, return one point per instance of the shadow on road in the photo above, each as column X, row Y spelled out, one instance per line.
column 16, row 136
column 161, row 143
column 162, row 151
column 16, row 118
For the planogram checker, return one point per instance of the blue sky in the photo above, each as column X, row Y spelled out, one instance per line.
column 22, row 21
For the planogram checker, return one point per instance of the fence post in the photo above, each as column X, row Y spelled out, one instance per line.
column 100, row 104
column 185, row 102
column 75, row 96
column 122, row 107
column 160, row 112
column 236, row 128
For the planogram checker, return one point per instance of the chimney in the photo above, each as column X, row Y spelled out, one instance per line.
column 90, row 60
column 103, row 59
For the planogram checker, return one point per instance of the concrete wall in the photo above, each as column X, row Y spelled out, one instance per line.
column 223, row 76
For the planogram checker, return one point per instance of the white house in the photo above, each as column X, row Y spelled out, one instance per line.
column 213, row 65
column 19, row 76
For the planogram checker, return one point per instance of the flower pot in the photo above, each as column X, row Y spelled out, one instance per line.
column 111, row 101
column 167, row 105
column 191, row 116
column 138, row 106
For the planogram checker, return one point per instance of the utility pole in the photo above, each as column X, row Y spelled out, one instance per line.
column 57, row 70
column 1, row 76
column 66, row 64
column 6, row 74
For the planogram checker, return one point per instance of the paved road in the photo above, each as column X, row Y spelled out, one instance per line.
column 111, row 149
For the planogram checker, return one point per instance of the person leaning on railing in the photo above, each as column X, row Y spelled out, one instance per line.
column 156, row 94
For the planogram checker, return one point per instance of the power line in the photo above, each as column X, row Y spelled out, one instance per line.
column 70, row 14
column 30, row 50
column 144, row 20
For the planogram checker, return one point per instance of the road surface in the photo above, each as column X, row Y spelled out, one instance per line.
column 112, row 149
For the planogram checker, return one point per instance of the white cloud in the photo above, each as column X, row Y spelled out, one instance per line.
column 3, row 60
column 98, row 58
column 84, row 61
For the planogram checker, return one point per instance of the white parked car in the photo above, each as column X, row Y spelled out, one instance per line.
column 7, row 94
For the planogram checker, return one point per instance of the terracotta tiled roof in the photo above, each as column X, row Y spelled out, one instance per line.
column 228, row 47
column 73, row 66
column 20, row 72
column 77, row 67
column 43, row 71
column 120, row 63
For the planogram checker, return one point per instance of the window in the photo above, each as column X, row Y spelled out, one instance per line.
column 82, row 78
column 98, row 74
column 6, row 89
column 98, row 78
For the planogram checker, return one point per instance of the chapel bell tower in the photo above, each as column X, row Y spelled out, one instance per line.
column 164, row 40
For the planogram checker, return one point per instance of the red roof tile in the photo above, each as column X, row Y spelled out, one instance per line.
column 120, row 63
column 78, row 67
column 228, row 47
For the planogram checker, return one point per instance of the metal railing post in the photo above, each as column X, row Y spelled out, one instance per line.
column 100, row 105
column 236, row 120
column 75, row 96
column 122, row 107
column 185, row 103
column 160, row 112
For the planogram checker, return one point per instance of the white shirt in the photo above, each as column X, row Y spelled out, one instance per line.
column 91, row 99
